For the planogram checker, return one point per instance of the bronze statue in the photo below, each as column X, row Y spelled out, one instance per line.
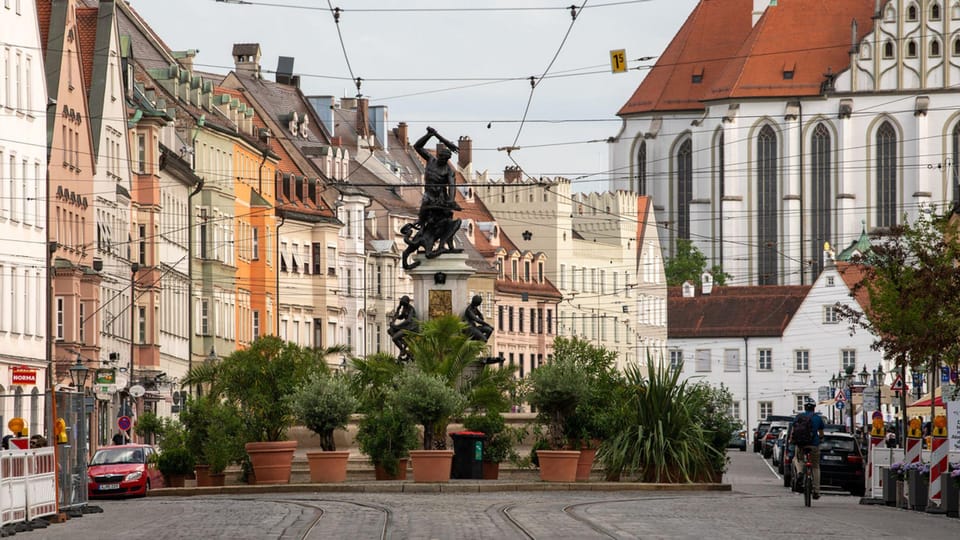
column 404, row 321
column 477, row 328
column 435, row 227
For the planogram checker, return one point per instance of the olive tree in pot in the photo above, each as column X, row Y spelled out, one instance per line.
column 556, row 391
column 428, row 400
column 214, row 435
column 257, row 380
column 323, row 404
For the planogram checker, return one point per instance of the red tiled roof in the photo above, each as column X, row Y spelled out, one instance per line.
column 710, row 37
column 87, row 30
column 807, row 37
column 43, row 17
column 755, row 311
column 853, row 274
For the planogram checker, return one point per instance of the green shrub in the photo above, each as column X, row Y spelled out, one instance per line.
column 177, row 460
column 324, row 404
column 386, row 436
column 501, row 439
column 427, row 399
column 556, row 390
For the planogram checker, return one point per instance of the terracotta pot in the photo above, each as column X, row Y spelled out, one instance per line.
column 381, row 474
column 328, row 467
column 174, row 480
column 491, row 470
column 271, row 460
column 558, row 465
column 217, row 479
column 431, row 465
column 585, row 463
column 202, row 473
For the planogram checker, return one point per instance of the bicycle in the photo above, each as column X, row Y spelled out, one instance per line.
column 807, row 478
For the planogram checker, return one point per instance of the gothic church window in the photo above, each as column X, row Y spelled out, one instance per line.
column 890, row 15
column 864, row 51
column 684, row 188
column 641, row 187
column 954, row 170
column 935, row 48
column 888, row 49
column 935, row 12
column 912, row 12
column 767, row 207
column 911, row 49
column 820, row 195
column 956, row 46
column 886, row 170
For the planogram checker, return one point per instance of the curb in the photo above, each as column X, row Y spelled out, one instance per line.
column 413, row 487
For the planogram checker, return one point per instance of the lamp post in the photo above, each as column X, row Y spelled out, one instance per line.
column 834, row 386
column 848, row 379
column 78, row 375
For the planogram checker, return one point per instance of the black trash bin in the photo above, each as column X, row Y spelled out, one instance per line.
column 467, row 455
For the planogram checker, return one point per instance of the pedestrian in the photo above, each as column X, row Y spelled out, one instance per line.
column 118, row 439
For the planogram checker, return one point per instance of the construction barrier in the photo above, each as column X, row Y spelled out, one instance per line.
column 938, row 461
column 41, row 483
column 13, row 471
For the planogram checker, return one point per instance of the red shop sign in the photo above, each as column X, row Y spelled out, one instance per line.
column 24, row 376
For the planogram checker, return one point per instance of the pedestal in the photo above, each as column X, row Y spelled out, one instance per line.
column 440, row 285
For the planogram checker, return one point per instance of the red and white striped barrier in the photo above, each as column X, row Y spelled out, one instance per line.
column 13, row 486
column 41, row 483
column 912, row 454
column 939, row 454
column 874, row 444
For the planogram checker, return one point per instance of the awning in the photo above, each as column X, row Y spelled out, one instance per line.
column 925, row 402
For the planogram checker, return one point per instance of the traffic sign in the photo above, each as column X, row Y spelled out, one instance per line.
column 839, row 405
column 840, row 397
column 823, row 393
column 898, row 385
column 124, row 423
column 944, row 374
column 618, row 60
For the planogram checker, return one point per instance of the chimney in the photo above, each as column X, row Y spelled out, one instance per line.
column 363, row 129
column 185, row 58
column 465, row 157
column 246, row 58
column 689, row 290
column 402, row 135
column 378, row 118
column 511, row 174
column 285, row 70
column 323, row 106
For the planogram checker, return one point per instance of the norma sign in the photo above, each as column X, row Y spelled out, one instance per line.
column 124, row 423
column 24, row 376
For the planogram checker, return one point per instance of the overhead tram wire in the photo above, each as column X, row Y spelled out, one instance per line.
column 430, row 10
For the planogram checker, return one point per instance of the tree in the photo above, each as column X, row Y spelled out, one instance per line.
column 688, row 265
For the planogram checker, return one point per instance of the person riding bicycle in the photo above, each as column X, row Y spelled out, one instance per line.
column 812, row 445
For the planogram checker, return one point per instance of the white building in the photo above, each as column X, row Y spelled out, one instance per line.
column 773, row 347
column 759, row 148
column 23, row 188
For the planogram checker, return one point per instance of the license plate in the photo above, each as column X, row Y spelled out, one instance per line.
column 832, row 458
column 108, row 487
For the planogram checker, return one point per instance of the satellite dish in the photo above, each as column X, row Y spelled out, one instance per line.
column 137, row 391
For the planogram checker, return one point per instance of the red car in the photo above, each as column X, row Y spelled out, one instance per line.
column 129, row 470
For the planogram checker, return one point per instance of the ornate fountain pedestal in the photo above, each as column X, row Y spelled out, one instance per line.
column 440, row 285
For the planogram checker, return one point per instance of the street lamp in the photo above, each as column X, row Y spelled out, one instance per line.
column 917, row 384
column 78, row 374
column 848, row 378
column 864, row 375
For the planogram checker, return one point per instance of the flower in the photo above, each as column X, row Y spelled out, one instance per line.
column 923, row 469
column 898, row 468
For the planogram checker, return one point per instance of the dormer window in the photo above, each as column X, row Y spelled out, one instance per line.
column 788, row 74
column 697, row 76
column 526, row 270
column 514, row 271
column 499, row 267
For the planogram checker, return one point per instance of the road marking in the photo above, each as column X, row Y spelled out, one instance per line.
column 770, row 466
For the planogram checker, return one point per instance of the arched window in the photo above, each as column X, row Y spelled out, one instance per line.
column 935, row 48
column 955, row 11
column 888, row 49
column 911, row 49
column 886, row 202
column 767, row 207
column 684, row 188
column 890, row 15
column 722, row 190
column 935, row 12
column 912, row 12
column 864, row 51
column 956, row 46
column 641, row 186
column 955, row 170
column 820, row 195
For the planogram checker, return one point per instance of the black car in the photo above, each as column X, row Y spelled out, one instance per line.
column 770, row 438
column 738, row 439
column 758, row 434
column 841, row 464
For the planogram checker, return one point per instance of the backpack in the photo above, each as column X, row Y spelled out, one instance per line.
column 803, row 430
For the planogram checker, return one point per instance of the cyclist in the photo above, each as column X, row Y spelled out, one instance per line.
column 813, row 446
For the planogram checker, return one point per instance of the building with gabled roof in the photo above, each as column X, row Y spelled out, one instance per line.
column 766, row 129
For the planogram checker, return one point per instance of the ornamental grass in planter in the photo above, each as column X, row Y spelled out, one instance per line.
column 323, row 404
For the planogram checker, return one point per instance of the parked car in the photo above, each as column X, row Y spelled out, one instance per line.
column 758, row 434
column 129, row 470
column 778, row 451
column 841, row 463
column 738, row 439
column 771, row 437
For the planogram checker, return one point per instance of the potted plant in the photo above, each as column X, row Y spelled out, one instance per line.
column 499, row 443
column 175, row 464
column 951, row 491
column 214, row 434
column 556, row 390
column 386, row 436
column 918, row 484
column 257, row 380
column 716, row 422
column 428, row 400
column 324, row 404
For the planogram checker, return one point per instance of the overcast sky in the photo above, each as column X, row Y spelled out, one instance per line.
column 437, row 39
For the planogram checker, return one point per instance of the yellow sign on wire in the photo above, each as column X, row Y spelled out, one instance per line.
column 618, row 61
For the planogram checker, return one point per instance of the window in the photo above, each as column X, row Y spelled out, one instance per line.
column 142, row 232
column 821, row 196
column 331, row 261
column 317, row 333
column 204, row 317
column 640, row 188
column 514, row 274
column 764, row 360
column 799, row 401
column 935, row 12
column 830, row 282
column 142, row 325
column 703, row 360
column 676, row 359
column 934, row 48
column 912, row 13
column 830, row 315
column 81, row 323
column 886, row 171
column 888, row 50
column 510, row 318
column 848, row 360
column 59, row 329
column 767, row 208
column 911, row 49
column 141, row 153
column 956, row 47
column 735, row 410
column 500, row 318
column 766, row 409
column 731, row 360
column 801, row 360
column 563, row 267
column 254, row 244
column 684, row 188
column 526, row 271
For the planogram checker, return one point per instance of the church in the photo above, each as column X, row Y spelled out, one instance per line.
column 768, row 128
